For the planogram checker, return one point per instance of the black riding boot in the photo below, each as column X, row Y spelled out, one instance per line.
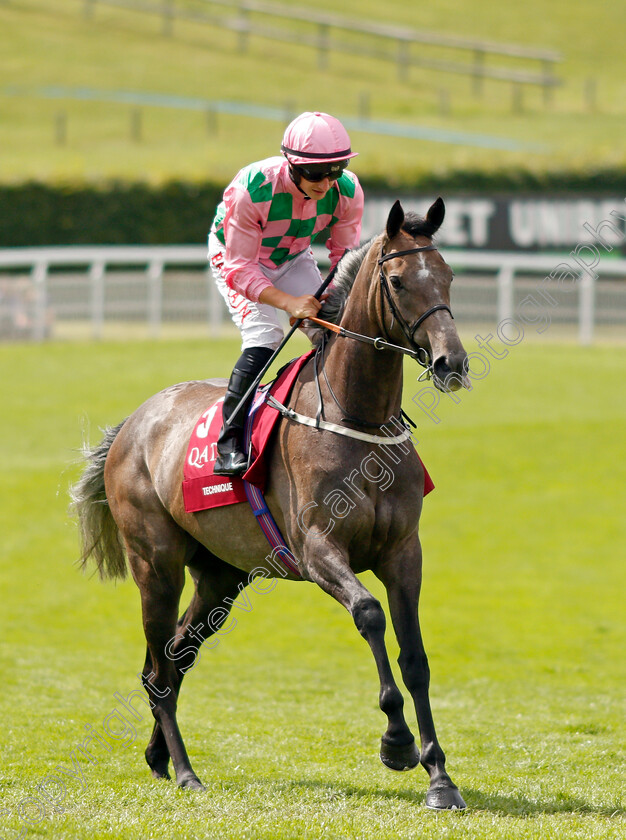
column 231, row 459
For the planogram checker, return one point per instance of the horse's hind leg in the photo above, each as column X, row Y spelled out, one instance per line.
column 214, row 581
column 157, row 550
column 157, row 754
column 330, row 570
column 402, row 580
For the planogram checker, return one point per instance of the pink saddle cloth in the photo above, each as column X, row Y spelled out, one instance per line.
column 201, row 488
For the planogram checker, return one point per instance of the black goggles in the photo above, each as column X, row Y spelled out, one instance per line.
column 315, row 172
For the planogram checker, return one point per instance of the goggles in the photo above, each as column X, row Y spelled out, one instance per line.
column 315, row 172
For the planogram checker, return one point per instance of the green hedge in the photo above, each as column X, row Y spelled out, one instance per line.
column 117, row 214
column 610, row 182
column 176, row 213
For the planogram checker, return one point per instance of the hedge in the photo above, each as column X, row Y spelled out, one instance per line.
column 181, row 213
column 116, row 214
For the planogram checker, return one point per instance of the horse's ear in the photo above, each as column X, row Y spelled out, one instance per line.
column 395, row 220
column 436, row 213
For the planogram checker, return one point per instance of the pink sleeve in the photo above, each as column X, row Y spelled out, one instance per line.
column 346, row 233
column 243, row 233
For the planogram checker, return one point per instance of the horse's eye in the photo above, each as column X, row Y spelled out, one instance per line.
column 396, row 281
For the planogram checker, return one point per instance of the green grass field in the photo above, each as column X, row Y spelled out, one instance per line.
column 522, row 611
column 50, row 43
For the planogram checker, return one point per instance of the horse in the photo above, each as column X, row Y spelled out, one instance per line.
column 390, row 298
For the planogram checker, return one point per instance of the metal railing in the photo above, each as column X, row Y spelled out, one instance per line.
column 43, row 289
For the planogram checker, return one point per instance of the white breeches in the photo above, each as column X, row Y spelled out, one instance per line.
column 261, row 325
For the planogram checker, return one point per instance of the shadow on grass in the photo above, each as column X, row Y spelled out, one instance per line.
column 514, row 805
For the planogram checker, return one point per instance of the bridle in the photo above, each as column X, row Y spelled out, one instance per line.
column 420, row 354
column 408, row 330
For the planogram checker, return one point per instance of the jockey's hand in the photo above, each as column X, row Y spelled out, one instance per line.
column 305, row 306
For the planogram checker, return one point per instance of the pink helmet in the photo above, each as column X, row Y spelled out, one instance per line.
column 316, row 138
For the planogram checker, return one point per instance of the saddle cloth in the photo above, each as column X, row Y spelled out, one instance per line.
column 201, row 488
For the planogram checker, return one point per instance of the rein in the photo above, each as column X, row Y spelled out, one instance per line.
column 379, row 343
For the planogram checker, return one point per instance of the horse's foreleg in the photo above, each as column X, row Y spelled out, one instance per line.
column 330, row 570
column 402, row 581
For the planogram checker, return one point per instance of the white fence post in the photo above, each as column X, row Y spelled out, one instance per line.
column 96, row 284
column 505, row 292
column 155, row 297
column 40, row 302
column 586, row 308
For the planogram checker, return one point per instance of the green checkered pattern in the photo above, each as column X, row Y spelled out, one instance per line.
column 279, row 224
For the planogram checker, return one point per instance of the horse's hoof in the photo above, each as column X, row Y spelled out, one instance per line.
column 191, row 783
column 404, row 757
column 445, row 799
column 158, row 762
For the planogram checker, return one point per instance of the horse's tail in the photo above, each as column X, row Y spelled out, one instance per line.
column 100, row 537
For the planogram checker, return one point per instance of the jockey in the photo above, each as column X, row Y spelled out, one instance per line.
column 260, row 249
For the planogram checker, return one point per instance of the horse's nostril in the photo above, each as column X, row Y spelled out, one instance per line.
column 452, row 363
column 450, row 371
column 440, row 367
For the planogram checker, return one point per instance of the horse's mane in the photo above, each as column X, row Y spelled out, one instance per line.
column 347, row 270
column 349, row 266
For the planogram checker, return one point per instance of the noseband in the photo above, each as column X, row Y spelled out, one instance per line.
column 408, row 330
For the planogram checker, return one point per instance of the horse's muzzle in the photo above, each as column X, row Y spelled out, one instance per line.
column 450, row 372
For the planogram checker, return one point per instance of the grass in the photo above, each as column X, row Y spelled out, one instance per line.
column 522, row 612
column 51, row 43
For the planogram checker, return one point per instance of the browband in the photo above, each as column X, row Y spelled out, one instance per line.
column 393, row 254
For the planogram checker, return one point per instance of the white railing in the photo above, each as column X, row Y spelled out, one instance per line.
column 43, row 288
column 97, row 261
column 510, row 265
